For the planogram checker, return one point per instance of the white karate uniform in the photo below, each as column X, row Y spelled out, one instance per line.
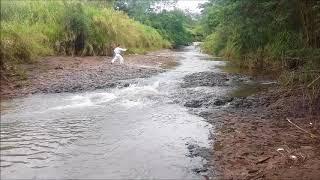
column 117, row 55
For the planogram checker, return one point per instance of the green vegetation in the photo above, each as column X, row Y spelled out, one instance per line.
column 173, row 25
column 269, row 35
column 38, row 28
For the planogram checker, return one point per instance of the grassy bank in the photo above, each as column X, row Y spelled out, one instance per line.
column 31, row 29
column 268, row 36
column 295, row 68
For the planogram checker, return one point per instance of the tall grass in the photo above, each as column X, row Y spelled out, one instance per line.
column 284, row 51
column 30, row 29
column 284, row 54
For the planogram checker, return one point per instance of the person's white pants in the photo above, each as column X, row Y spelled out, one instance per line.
column 117, row 57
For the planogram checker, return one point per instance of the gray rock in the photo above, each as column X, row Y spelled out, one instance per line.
column 193, row 104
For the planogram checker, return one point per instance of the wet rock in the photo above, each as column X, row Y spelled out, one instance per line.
column 242, row 103
column 58, row 67
column 200, row 170
column 196, row 151
column 205, row 79
column 219, row 102
column 222, row 101
column 214, row 102
column 193, row 104
column 251, row 171
column 205, row 113
column 57, row 91
column 18, row 86
column 190, row 146
column 108, row 85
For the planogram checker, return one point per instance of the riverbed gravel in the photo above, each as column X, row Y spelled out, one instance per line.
column 74, row 74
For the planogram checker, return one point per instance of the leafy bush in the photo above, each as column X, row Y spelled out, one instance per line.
column 256, row 35
column 172, row 26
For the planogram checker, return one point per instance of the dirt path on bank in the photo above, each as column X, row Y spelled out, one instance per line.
column 71, row 74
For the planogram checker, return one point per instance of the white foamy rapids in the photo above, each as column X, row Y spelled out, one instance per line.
column 137, row 96
column 84, row 100
column 129, row 103
column 137, row 91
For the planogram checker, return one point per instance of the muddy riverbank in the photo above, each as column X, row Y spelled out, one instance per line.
column 256, row 136
column 74, row 74
column 271, row 135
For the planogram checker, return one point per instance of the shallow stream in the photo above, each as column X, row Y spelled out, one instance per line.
column 137, row 131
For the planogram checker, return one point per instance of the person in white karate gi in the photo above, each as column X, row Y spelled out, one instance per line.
column 117, row 54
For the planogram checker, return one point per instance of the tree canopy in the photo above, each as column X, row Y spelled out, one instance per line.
column 173, row 25
column 241, row 27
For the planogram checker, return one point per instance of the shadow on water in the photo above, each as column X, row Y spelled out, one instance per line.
column 256, row 74
column 249, row 89
column 257, row 81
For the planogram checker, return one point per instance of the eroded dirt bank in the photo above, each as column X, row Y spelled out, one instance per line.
column 255, row 136
column 72, row 74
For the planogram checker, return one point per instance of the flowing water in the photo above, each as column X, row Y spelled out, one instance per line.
column 132, row 132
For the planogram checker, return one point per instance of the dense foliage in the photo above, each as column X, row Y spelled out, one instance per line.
column 39, row 28
column 173, row 25
column 266, row 35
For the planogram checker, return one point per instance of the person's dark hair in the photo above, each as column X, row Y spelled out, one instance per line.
column 118, row 45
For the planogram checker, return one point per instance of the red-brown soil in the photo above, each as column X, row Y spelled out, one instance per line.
column 258, row 141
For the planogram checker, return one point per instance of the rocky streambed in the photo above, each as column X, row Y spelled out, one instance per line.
column 74, row 74
column 142, row 120
column 255, row 135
